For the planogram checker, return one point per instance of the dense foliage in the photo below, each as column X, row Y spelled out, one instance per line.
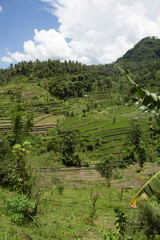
column 81, row 116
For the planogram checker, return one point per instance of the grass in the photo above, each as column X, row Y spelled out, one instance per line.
column 48, row 119
column 66, row 214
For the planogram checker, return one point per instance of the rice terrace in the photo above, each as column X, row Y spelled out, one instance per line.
column 79, row 148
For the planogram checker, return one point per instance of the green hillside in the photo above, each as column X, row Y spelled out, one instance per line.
column 75, row 149
column 147, row 50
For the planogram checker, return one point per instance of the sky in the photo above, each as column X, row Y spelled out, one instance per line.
column 87, row 31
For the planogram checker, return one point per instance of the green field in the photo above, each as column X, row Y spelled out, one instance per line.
column 66, row 204
column 66, row 207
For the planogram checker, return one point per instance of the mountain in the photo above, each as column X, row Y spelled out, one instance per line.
column 147, row 50
column 73, row 79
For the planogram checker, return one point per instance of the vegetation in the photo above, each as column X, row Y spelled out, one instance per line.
column 19, row 208
column 72, row 141
column 149, row 189
column 106, row 168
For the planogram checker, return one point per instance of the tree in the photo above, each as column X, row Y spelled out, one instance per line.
column 17, row 123
column 70, row 146
column 142, row 154
column 137, row 148
column 14, row 171
column 21, row 123
column 22, row 178
column 28, row 124
column 68, row 142
column 135, row 133
column 106, row 168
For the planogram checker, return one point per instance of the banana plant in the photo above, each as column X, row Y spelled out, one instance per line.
column 150, row 100
column 152, row 187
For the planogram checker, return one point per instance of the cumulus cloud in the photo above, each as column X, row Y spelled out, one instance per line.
column 93, row 31
column 0, row 9
column 46, row 45
column 7, row 59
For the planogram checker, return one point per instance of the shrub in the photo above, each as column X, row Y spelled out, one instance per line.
column 145, row 219
column 69, row 146
column 21, row 179
column 121, row 221
column 19, row 208
column 106, row 168
column 149, row 218
column 5, row 160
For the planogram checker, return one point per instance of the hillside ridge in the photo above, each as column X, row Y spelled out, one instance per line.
column 147, row 49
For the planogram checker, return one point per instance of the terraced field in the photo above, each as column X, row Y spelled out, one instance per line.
column 43, row 122
column 106, row 130
column 103, row 128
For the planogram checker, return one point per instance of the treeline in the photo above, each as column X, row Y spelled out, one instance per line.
column 69, row 78
column 61, row 79
column 65, row 79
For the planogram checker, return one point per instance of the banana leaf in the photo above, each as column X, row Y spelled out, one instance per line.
column 152, row 187
column 149, row 100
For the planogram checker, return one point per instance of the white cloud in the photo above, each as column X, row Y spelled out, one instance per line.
column 133, row 21
column 0, row 9
column 113, row 51
column 46, row 45
column 7, row 59
column 100, row 31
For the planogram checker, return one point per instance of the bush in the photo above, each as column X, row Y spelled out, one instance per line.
column 19, row 208
column 21, row 179
column 121, row 221
column 146, row 219
column 149, row 217
column 6, row 156
column 70, row 145
column 106, row 168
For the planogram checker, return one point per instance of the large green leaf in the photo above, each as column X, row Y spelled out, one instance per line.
column 149, row 100
column 141, row 92
column 151, row 188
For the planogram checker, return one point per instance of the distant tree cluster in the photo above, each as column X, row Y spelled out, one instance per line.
column 69, row 78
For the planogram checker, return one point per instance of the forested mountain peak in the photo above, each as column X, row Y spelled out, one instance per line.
column 148, row 49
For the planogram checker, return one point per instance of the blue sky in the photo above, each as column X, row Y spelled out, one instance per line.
column 88, row 31
column 18, row 20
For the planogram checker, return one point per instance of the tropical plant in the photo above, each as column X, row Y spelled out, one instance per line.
column 152, row 187
column 151, row 101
